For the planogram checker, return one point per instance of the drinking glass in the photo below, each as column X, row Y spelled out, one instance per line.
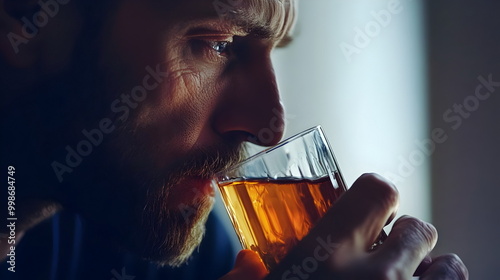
column 275, row 197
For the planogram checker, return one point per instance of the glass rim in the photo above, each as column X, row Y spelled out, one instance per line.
column 277, row 146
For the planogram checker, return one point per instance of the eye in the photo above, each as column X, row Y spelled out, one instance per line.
column 221, row 47
column 212, row 47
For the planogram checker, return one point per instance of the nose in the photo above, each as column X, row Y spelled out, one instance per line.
column 250, row 107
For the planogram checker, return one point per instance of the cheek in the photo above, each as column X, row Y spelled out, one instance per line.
column 180, row 96
column 175, row 115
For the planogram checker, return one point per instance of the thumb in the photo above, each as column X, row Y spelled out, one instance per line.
column 248, row 266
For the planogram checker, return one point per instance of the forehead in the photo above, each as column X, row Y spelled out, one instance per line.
column 270, row 18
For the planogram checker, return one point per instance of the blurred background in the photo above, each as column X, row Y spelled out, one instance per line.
column 410, row 90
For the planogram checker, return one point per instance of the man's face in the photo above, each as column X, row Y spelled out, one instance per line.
column 184, row 85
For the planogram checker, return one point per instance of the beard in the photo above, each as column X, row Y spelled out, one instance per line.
column 153, row 212
column 118, row 190
column 140, row 206
column 173, row 234
column 122, row 189
column 173, row 229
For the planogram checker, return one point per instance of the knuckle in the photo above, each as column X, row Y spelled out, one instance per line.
column 379, row 189
column 423, row 230
column 453, row 267
column 429, row 233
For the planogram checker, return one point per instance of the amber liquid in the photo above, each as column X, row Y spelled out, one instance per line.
column 271, row 216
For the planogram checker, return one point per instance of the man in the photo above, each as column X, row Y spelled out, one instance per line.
column 120, row 112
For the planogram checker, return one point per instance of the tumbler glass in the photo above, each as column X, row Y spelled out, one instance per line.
column 275, row 197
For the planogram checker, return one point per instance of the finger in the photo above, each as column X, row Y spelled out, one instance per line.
column 347, row 230
column 247, row 258
column 423, row 266
column 446, row 267
column 248, row 266
column 406, row 246
column 358, row 217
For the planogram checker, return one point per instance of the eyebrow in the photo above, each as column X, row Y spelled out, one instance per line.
column 251, row 27
column 239, row 22
column 262, row 31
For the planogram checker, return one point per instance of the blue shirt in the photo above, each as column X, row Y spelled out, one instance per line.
column 61, row 249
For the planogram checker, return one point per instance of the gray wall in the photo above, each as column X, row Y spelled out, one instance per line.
column 463, row 44
column 372, row 104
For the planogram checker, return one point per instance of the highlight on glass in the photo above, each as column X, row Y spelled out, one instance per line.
column 275, row 197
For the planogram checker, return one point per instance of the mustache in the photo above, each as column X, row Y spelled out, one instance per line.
column 205, row 162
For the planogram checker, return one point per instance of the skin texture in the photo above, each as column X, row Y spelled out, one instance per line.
column 371, row 203
column 176, row 108
column 174, row 88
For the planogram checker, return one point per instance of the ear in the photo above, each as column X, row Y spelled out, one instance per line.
column 17, row 39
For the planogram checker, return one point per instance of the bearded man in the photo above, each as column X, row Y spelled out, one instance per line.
column 116, row 114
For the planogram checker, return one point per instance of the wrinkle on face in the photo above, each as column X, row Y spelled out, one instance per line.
column 180, row 87
column 169, row 136
column 178, row 104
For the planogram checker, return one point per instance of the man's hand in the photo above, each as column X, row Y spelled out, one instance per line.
column 248, row 266
column 338, row 246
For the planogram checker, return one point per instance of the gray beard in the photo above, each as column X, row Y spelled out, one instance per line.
column 174, row 233
column 140, row 195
